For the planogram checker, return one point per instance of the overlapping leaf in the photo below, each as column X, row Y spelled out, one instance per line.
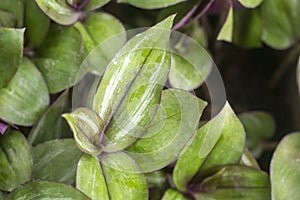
column 234, row 182
column 59, row 11
column 56, row 160
column 11, row 47
column 37, row 190
column 15, row 160
column 174, row 124
column 285, row 166
column 281, row 27
column 123, row 177
column 130, row 89
column 51, row 125
column 90, row 179
column 220, row 141
column 24, row 99
column 60, row 57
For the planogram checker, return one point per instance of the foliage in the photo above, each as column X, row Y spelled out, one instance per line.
column 141, row 132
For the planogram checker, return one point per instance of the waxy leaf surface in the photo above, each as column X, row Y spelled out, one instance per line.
column 56, row 160
column 284, row 169
column 130, row 89
column 24, row 99
column 15, row 160
column 174, row 124
column 37, row 190
column 90, row 179
column 59, row 11
column 220, row 141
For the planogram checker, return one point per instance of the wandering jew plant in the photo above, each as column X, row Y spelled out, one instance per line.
column 90, row 109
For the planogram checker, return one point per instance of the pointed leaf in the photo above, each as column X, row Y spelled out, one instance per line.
column 250, row 3
column 56, row 160
column 281, row 27
column 172, row 194
column 24, row 99
column 171, row 128
column 130, row 88
column 227, row 29
column 285, row 166
column 59, row 11
column 87, row 129
column 151, row 4
column 16, row 8
column 218, row 142
column 51, row 125
column 123, row 177
column 59, row 57
column 235, row 182
column 11, row 47
column 37, row 190
column 95, row 4
column 248, row 159
column 90, row 179
column 15, row 160
column 36, row 22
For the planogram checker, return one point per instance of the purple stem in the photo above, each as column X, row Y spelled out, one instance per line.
column 186, row 18
column 81, row 6
column 3, row 128
column 205, row 9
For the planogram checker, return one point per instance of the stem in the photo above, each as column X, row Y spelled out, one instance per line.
column 81, row 6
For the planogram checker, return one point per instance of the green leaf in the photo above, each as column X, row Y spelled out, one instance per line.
column 259, row 126
column 95, row 4
column 103, row 35
column 248, row 159
column 250, row 3
column 15, row 160
column 16, row 8
column 36, row 22
column 59, row 57
column 284, row 169
column 90, row 179
column 247, row 28
column 151, row 4
column 281, row 27
column 36, row 190
column 87, row 129
column 227, row 29
column 123, row 177
column 51, row 125
column 130, row 89
column 235, row 182
column 218, row 142
column 56, row 160
column 172, row 194
column 11, row 48
column 190, row 65
column 7, row 19
column 24, row 99
column 173, row 125
column 59, row 11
